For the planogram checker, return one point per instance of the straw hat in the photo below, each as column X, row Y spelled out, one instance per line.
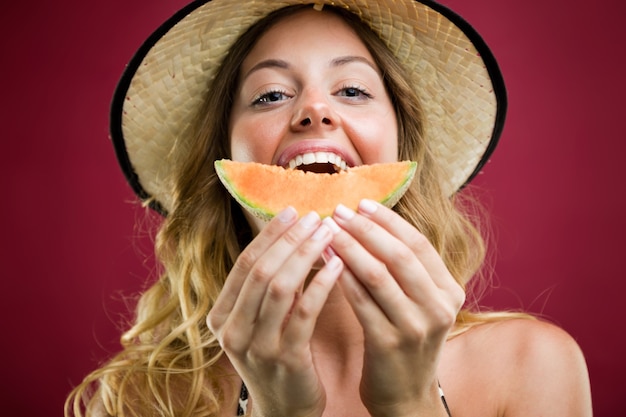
column 455, row 76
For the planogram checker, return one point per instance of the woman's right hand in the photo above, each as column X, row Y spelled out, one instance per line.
column 264, row 320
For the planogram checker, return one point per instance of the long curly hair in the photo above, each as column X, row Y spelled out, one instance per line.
column 168, row 364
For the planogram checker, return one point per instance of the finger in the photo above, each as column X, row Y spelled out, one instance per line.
column 416, row 241
column 412, row 259
column 406, row 246
column 301, row 323
column 429, row 308
column 372, row 318
column 244, row 263
column 246, row 309
column 288, row 282
column 373, row 290
column 384, row 264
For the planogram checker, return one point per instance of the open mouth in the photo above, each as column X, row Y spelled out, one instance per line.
column 319, row 162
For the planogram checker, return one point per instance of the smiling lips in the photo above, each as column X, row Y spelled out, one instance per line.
column 318, row 162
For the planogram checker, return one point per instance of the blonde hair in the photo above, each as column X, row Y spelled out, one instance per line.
column 170, row 346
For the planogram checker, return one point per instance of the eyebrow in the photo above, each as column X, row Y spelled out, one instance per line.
column 336, row 62
column 268, row 63
column 343, row 60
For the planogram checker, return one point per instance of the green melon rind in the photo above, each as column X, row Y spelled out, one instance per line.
column 264, row 214
column 392, row 198
column 255, row 210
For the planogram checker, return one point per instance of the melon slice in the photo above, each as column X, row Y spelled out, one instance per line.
column 264, row 190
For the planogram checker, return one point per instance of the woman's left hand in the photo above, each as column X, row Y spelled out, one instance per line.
column 406, row 301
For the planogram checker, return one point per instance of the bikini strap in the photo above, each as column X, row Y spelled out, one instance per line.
column 443, row 399
column 242, row 406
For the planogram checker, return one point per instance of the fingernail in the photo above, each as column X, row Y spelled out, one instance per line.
column 287, row 215
column 367, row 206
column 321, row 232
column 334, row 227
column 310, row 220
column 328, row 253
column 344, row 212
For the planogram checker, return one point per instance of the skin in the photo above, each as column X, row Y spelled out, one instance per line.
column 365, row 334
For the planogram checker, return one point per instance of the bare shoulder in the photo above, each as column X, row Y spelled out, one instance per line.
column 526, row 341
column 533, row 367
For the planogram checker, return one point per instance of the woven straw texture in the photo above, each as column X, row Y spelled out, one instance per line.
column 449, row 74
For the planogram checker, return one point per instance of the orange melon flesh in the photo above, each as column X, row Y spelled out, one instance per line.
column 265, row 190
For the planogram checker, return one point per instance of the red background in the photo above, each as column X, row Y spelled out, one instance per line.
column 71, row 253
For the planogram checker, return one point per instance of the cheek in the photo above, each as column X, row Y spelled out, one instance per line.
column 378, row 140
column 254, row 141
column 241, row 152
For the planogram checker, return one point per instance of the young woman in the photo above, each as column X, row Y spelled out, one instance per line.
column 358, row 314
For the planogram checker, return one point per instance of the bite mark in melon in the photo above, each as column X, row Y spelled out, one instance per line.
column 265, row 190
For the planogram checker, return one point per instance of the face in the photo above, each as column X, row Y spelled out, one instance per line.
column 310, row 96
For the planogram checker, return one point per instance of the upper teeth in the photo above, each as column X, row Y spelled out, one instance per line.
column 318, row 157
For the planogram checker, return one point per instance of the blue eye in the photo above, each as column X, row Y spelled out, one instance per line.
column 270, row 97
column 354, row 92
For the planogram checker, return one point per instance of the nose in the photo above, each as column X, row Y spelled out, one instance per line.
column 313, row 111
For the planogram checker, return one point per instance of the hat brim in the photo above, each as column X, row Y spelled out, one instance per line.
column 455, row 75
